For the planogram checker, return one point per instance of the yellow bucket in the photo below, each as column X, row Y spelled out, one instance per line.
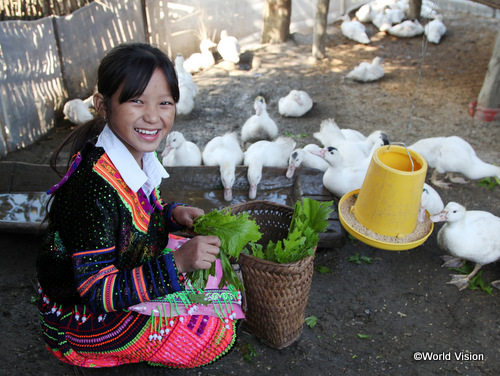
column 389, row 199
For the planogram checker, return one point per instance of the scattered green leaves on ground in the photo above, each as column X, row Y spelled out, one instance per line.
column 295, row 135
column 476, row 282
column 351, row 238
column 248, row 352
column 364, row 336
column 357, row 259
column 323, row 269
column 489, row 183
column 310, row 217
column 311, row 321
column 234, row 232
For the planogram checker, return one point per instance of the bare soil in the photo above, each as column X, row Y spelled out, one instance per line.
column 372, row 318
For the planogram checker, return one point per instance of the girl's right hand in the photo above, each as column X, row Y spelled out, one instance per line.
column 198, row 253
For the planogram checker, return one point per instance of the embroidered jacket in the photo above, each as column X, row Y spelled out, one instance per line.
column 105, row 244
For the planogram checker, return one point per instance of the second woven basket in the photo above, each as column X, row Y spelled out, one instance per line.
column 276, row 294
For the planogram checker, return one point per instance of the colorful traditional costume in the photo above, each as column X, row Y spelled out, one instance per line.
column 106, row 251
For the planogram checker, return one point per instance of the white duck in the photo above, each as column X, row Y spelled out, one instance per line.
column 330, row 134
column 472, row 235
column 77, row 111
column 201, row 60
column 259, row 126
column 295, row 104
column 430, row 201
column 184, row 77
column 225, row 152
column 366, row 13
column 435, row 29
column 366, row 72
column 341, row 178
column 354, row 152
column 453, row 155
column 187, row 88
column 354, row 30
column 180, row 152
column 229, row 47
column 304, row 157
column 266, row 154
column 406, row 29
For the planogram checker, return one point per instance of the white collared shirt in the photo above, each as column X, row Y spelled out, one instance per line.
column 147, row 178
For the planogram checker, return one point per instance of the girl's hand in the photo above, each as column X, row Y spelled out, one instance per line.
column 198, row 253
column 185, row 215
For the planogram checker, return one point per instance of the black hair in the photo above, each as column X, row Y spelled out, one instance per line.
column 130, row 64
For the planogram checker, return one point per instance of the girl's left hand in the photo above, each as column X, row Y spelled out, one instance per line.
column 185, row 215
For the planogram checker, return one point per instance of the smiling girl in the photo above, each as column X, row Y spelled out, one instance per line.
column 106, row 247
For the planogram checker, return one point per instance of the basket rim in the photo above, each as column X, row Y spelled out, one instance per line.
column 274, row 263
column 260, row 202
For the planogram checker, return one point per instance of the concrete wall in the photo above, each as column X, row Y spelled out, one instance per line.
column 31, row 85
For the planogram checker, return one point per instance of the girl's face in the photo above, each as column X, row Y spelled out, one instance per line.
column 142, row 123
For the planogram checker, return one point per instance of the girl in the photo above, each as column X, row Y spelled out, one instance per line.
column 106, row 244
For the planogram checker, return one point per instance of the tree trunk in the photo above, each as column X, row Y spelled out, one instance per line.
column 319, row 38
column 415, row 9
column 277, row 17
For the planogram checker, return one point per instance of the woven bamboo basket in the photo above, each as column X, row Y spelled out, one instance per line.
column 276, row 294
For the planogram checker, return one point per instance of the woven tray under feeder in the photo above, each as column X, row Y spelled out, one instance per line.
column 276, row 294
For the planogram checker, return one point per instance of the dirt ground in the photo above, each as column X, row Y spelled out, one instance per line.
column 372, row 318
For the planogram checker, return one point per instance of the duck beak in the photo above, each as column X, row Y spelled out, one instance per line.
column 320, row 152
column 290, row 171
column 228, row 194
column 439, row 217
column 252, row 193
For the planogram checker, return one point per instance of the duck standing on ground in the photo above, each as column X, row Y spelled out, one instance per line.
column 187, row 88
column 367, row 72
column 225, row 152
column 180, row 152
column 472, row 235
column 305, row 157
column 259, row 126
column 295, row 104
column 229, row 47
column 354, row 30
column 453, row 155
column 266, row 154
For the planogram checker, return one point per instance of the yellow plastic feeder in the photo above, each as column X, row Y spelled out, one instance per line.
column 389, row 199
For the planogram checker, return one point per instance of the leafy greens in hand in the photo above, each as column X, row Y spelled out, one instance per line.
column 234, row 232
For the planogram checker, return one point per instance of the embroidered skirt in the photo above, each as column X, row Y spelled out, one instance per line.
column 85, row 339
column 79, row 337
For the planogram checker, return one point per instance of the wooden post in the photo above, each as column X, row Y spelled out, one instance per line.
column 277, row 17
column 319, row 38
column 488, row 101
column 415, row 9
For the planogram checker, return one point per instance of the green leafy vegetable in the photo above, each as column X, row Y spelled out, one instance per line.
column 476, row 282
column 234, row 232
column 323, row 269
column 311, row 321
column 310, row 217
column 364, row 336
column 490, row 182
column 357, row 259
